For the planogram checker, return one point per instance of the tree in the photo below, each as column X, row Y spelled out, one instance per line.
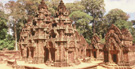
column 17, row 12
column 102, row 28
column 123, row 24
column 6, row 40
column 96, row 9
column 76, row 6
column 116, row 14
column 82, row 23
column 3, row 28
column 30, row 6
column 119, row 18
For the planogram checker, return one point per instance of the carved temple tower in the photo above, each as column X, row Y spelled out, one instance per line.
column 41, row 25
column 38, row 35
column 24, row 39
column 53, row 41
column 96, row 48
column 119, row 50
column 64, row 44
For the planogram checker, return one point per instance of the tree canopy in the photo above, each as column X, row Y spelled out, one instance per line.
column 82, row 22
column 116, row 14
column 96, row 9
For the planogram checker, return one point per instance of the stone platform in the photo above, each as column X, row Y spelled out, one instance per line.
column 23, row 65
column 115, row 66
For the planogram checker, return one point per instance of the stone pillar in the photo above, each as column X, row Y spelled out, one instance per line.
column 119, row 58
column 24, row 53
column 97, row 54
column 67, row 56
column 50, row 59
column 57, row 54
column 110, row 57
column 92, row 56
column 76, row 55
column 29, row 57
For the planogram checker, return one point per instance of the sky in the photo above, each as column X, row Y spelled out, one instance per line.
column 127, row 6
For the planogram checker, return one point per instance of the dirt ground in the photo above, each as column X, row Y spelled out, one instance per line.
column 43, row 66
column 4, row 66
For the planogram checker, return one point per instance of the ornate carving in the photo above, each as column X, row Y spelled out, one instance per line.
column 118, row 47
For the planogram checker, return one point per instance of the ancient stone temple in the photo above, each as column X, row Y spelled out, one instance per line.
column 36, row 35
column 96, row 48
column 118, row 48
column 24, row 38
column 53, row 41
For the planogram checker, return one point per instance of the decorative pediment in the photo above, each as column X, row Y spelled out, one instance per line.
column 113, row 38
column 126, row 35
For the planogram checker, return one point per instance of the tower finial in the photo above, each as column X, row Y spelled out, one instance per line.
column 42, row 2
column 42, row 5
column 61, row 5
column 61, row 1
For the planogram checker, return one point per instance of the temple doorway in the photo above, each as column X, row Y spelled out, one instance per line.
column 114, row 58
column 71, row 56
column 106, row 56
column 88, row 53
column 32, row 52
column 46, row 55
column 27, row 52
column 95, row 54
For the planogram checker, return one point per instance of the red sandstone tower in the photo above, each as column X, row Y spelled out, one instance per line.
column 119, row 51
column 53, row 41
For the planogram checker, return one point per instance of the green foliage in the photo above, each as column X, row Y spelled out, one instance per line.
column 76, row 15
column 132, row 30
column 52, row 11
column 7, row 43
column 77, row 6
column 3, row 24
column 3, row 27
column 101, row 28
column 102, row 40
column 115, row 15
column 95, row 9
column 82, row 20
column 19, row 27
column 30, row 6
column 6, row 40
column 119, row 18
column 123, row 24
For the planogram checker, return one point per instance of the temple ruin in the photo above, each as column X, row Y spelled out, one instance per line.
column 53, row 41
column 96, row 48
column 119, row 51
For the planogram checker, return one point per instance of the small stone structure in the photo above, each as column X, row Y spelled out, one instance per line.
column 96, row 48
column 118, row 48
column 53, row 41
column 9, row 55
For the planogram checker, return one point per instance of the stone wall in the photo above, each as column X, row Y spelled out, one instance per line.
column 9, row 55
